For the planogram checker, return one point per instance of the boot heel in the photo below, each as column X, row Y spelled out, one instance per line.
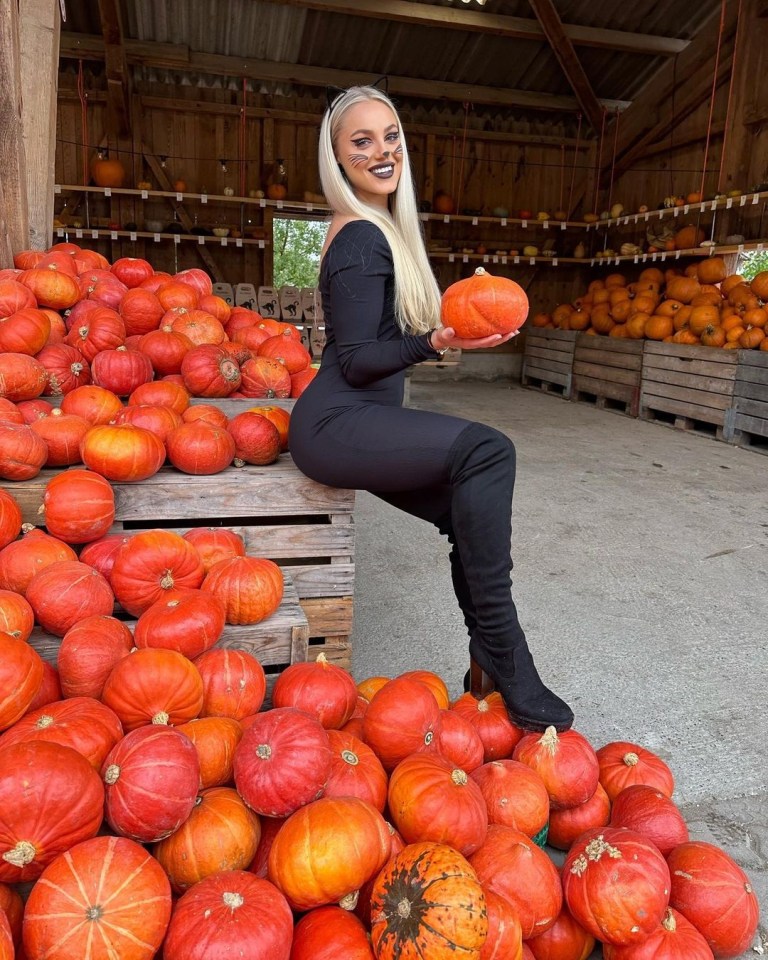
column 480, row 684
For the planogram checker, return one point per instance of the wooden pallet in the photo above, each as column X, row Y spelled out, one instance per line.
column 691, row 388
column 548, row 360
column 304, row 526
column 607, row 372
column 750, row 419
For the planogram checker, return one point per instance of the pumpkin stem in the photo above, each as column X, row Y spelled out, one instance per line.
column 22, row 854
column 161, row 719
column 480, row 271
column 45, row 721
column 669, row 922
column 166, row 581
column 404, row 909
column 349, row 902
column 459, row 777
column 483, row 706
column 112, row 774
column 233, row 900
column 263, row 751
column 321, row 658
column 550, row 740
column 429, row 736
column 238, row 462
column 349, row 757
column 631, row 759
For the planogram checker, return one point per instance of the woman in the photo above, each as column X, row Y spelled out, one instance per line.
column 348, row 429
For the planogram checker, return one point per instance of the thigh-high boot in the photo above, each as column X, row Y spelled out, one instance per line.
column 482, row 477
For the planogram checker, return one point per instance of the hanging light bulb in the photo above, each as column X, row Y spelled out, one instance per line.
column 223, row 164
column 162, row 161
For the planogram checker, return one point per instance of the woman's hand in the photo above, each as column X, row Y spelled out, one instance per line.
column 444, row 337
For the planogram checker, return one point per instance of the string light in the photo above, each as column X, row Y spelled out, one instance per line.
column 223, row 165
column 162, row 161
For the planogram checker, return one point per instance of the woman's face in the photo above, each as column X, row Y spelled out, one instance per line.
column 370, row 151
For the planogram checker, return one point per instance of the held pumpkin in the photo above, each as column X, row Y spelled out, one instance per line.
column 482, row 305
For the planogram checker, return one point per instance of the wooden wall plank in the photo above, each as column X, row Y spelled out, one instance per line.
column 14, row 215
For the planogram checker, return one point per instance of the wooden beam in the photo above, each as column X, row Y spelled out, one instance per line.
column 39, row 29
column 116, row 63
column 165, row 184
column 176, row 58
column 14, row 221
column 480, row 21
column 569, row 62
column 697, row 136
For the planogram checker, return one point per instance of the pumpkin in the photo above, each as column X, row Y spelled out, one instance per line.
column 675, row 939
column 22, row 559
column 21, row 377
column 21, row 673
column 50, row 688
column 197, row 279
column 301, row 380
column 161, row 393
column 64, row 593
column 356, row 771
column 759, row 284
column 483, row 305
column 565, row 940
column 430, row 799
column 454, row 738
column 62, row 804
column 132, row 271
column 319, row 688
column 623, row 764
column 157, row 420
column 51, row 288
column 234, row 684
column 122, row 452
column 510, row 864
column 369, row 687
column 688, row 237
column 100, row 554
column 757, row 317
column 251, row 588
column 751, row 338
column 490, row 719
column 262, row 377
column 286, row 350
column 504, row 940
column 10, row 519
column 14, row 296
column 220, row 833
column 16, row 615
column 120, row 890
column 200, row 327
column 257, row 439
column 398, row 718
column 62, row 434
column 151, row 779
column 515, row 796
column 175, row 294
column 92, row 403
column 683, row 289
column 12, row 413
column 121, row 370
column 78, row 506
column 107, row 171
column 616, row 885
column 11, row 919
column 88, row 652
column 230, row 913
column 199, row 449
column 658, row 328
column 712, row 891
column 154, row 283
column 328, row 933
column 189, row 621
column 428, row 902
column 566, row 825
column 246, row 334
column 100, row 329
column 702, row 317
column 215, row 543
column 270, row 827
column 151, row 563
column 22, row 452
column 215, row 739
column 713, row 336
column 81, row 723
column 207, row 413
column 31, row 410
column 282, row 762
column 216, row 306
column 154, row 686
column 566, row 762
column 141, row 312
column 25, row 331
column 650, row 813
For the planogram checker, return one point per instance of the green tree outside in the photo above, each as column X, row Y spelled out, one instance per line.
column 296, row 250
column 752, row 263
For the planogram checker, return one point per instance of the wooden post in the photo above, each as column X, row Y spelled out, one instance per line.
column 39, row 29
column 14, row 222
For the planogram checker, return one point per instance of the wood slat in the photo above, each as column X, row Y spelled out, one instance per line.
column 753, row 407
column 324, row 580
column 687, row 353
column 611, row 345
column 603, row 388
column 755, row 425
column 680, row 408
column 606, row 373
column 328, row 616
column 548, row 376
column 336, row 650
column 654, row 381
column 549, row 352
column 547, row 334
column 701, row 399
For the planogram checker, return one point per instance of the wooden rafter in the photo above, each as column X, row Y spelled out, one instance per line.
column 175, row 57
column 569, row 62
column 482, row 21
column 696, row 136
column 116, row 63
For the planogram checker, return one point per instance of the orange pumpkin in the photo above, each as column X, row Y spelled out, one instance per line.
column 615, row 280
column 683, row 289
column 711, row 270
column 658, row 327
column 713, row 336
column 752, row 338
column 702, row 317
column 482, row 305
column 686, row 336
column 636, row 326
column 731, row 281
column 759, row 285
column 688, row 237
column 652, row 274
column 107, row 172
column 757, row 317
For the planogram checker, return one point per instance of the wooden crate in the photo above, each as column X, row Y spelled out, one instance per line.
column 750, row 405
column 607, row 371
column 691, row 388
column 304, row 526
column 548, row 360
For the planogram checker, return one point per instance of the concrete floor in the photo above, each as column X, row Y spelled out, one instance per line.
column 641, row 555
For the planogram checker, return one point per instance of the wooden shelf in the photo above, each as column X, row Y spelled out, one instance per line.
column 705, row 206
column 505, row 221
column 96, row 233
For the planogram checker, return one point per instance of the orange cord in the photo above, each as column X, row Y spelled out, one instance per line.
column 613, row 161
column 83, row 119
column 562, row 174
column 712, row 99
column 573, row 171
column 730, row 99
column 599, row 161
column 461, row 166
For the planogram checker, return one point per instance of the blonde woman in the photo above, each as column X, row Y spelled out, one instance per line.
column 349, row 429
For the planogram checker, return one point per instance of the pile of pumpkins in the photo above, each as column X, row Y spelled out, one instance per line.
column 153, row 806
column 701, row 306
column 79, row 335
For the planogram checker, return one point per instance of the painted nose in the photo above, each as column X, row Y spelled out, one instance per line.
column 385, row 154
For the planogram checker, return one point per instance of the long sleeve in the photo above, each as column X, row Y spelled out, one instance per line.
column 360, row 275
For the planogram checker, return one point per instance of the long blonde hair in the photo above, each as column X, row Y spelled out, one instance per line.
column 417, row 295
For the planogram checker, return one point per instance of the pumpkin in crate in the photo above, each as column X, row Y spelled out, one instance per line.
column 299, row 864
column 505, row 939
column 78, row 506
column 10, row 519
column 13, row 413
column 174, row 294
column 122, row 452
column 22, row 559
column 161, row 393
column 216, row 306
column 16, row 615
column 220, row 833
column 197, row 279
column 63, row 804
column 151, row 563
column 398, row 719
column 22, row 452
column 132, row 271
column 431, row 799
column 566, row 825
column 566, row 762
column 282, row 762
column 51, row 288
column 427, row 901
column 92, row 403
column 270, row 827
column 50, row 688
column 21, row 674
column 64, row 593
column 157, row 420
column 515, row 796
column 265, row 378
column 232, row 913
column 206, row 413
column 25, row 331
column 490, row 719
column 513, row 866
column 121, row 370
column 141, row 311
column 279, row 417
column 14, row 296
column 151, row 780
column 234, row 683
column 301, row 380
column 200, row 327
column 200, row 449
column 319, row 688
column 166, row 350
column 215, row 739
column 327, row 933
column 286, row 350
column 215, row 543
column 483, row 305
column 652, row 814
column 22, row 377
column 117, row 885
column 257, row 439
column 251, row 588
column 189, row 621
column 100, row 554
column 565, row 940
column 454, row 738
column 154, row 686
column 88, row 652
column 62, row 433
column 675, row 937
column 616, row 885
column 31, row 410
column 683, row 289
column 712, row 891
column 11, row 922
column 623, row 764
column 100, row 329
column 356, row 771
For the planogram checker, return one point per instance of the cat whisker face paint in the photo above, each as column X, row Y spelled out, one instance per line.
column 369, row 150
